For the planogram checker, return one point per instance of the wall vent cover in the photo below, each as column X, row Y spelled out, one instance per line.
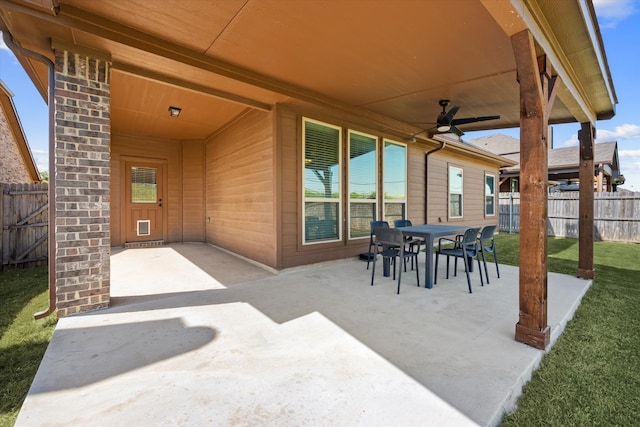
column 144, row 227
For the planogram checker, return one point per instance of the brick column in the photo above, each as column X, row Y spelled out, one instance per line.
column 82, row 141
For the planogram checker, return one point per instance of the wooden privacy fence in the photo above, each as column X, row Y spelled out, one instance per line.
column 616, row 216
column 24, row 217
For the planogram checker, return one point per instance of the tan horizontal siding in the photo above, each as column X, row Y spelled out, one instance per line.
column 473, row 192
column 193, row 191
column 415, row 183
column 240, row 183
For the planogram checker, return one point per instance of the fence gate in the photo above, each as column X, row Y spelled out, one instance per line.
column 24, row 215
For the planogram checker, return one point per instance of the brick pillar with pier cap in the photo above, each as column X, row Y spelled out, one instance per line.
column 82, row 171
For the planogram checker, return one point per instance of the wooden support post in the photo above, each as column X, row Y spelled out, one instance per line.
column 537, row 93
column 586, row 135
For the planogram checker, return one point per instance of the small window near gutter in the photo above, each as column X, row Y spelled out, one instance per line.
column 456, row 187
column 489, row 195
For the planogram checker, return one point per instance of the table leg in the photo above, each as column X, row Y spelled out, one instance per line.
column 428, row 263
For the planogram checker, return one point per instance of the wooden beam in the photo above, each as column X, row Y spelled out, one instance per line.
column 586, row 135
column 195, row 87
column 533, row 76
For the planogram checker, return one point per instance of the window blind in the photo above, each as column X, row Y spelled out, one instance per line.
column 363, row 186
column 322, row 180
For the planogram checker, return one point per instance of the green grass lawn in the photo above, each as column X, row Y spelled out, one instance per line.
column 590, row 378
column 592, row 375
column 23, row 340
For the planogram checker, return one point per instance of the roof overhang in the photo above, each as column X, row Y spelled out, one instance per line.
column 216, row 59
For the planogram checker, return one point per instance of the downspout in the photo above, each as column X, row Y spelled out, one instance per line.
column 426, row 178
column 8, row 40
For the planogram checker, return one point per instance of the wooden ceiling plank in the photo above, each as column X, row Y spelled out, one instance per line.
column 144, row 73
column 79, row 20
column 101, row 27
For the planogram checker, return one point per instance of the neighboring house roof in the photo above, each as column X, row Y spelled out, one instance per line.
column 564, row 159
column 604, row 153
column 498, row 144
column 16, row 161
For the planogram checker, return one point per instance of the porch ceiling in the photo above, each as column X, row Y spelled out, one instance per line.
column 388, row 61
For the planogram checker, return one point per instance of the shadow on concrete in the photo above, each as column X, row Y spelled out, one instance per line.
column 116, row 349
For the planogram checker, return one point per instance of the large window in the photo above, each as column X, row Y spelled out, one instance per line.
column 455, row 192
column 394, row 184
column 322, row 171
column 363, row 177
column 489, row 195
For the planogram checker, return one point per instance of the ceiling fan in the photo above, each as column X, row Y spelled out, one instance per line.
column 446, row 123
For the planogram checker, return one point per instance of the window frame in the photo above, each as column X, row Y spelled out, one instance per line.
column 450, row 192
column 338, row 200
column 349, row 200
column 383, row 200
column 492, row 195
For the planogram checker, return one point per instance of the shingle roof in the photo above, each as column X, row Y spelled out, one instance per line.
column 499, row 144
column 603, row 152
column 507, row 146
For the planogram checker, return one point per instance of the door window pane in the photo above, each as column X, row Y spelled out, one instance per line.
column 144, row 185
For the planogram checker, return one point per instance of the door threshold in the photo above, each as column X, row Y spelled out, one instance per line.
column 148, row 244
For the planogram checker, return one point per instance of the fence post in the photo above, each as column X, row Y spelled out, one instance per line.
column 510, row 213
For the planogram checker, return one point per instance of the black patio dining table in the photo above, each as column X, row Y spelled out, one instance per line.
column 429, row 232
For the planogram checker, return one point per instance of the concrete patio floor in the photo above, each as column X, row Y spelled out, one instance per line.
column 196, row 336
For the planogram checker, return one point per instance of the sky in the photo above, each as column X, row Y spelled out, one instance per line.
column 619, row 22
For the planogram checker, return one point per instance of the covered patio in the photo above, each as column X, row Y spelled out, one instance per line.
column 198, row 336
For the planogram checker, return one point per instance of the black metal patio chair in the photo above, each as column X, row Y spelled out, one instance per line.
column 410, row 240
column 372, row 243
column 393, row 247
column 464, row 248
column 487, row 244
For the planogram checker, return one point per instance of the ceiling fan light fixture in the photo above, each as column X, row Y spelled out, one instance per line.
column 444, row 128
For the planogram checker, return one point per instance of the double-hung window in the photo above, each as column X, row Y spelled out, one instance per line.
column 489, row 195
column 322, row 181
column 455, row 192
column 394, row 185
column 363, row 183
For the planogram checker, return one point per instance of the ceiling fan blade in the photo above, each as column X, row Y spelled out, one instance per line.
column 448, row 117
column 472, row 120
column 456, row 131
